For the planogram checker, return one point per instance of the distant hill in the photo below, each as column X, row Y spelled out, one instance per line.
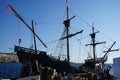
column 8, row 57
column 76, row 64
column 79, row 64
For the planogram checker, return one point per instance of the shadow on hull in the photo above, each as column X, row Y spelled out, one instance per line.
column 27, row 55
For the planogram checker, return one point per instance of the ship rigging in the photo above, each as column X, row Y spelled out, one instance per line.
column 27, row 55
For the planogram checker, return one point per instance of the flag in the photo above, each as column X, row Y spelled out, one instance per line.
column 8, row 7
column 66, row 3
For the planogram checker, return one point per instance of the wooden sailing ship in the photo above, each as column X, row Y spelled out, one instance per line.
column 30, row 56
column 27, row 55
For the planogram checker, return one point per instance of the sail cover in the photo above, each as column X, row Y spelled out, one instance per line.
column 116, row 67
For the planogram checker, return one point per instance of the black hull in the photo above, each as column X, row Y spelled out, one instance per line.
column 26, row 55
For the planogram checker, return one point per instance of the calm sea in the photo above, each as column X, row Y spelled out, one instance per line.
column 13, row 70
column 10, row 70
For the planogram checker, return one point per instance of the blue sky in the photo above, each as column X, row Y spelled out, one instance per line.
column 49, row 16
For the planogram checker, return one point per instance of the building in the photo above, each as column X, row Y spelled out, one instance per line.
column 116, row 67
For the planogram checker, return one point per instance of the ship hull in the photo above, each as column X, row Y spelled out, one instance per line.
column 27, row 55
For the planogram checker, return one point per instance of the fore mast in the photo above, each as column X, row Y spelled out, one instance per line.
column 93, row 35
column 91, row 63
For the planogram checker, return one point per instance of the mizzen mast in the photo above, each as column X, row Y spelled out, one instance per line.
column 9, row 7
column 34, row 37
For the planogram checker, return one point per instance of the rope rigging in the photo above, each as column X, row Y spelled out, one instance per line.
column 66, row 23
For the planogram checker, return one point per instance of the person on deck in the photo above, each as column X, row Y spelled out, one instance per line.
column 64, row 77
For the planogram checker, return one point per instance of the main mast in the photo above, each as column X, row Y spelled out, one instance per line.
column 67, row 25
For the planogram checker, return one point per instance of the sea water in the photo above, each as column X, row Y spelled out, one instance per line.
column 10, row 70
column 13, row 70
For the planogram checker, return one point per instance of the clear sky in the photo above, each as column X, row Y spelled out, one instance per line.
column 49, row 16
